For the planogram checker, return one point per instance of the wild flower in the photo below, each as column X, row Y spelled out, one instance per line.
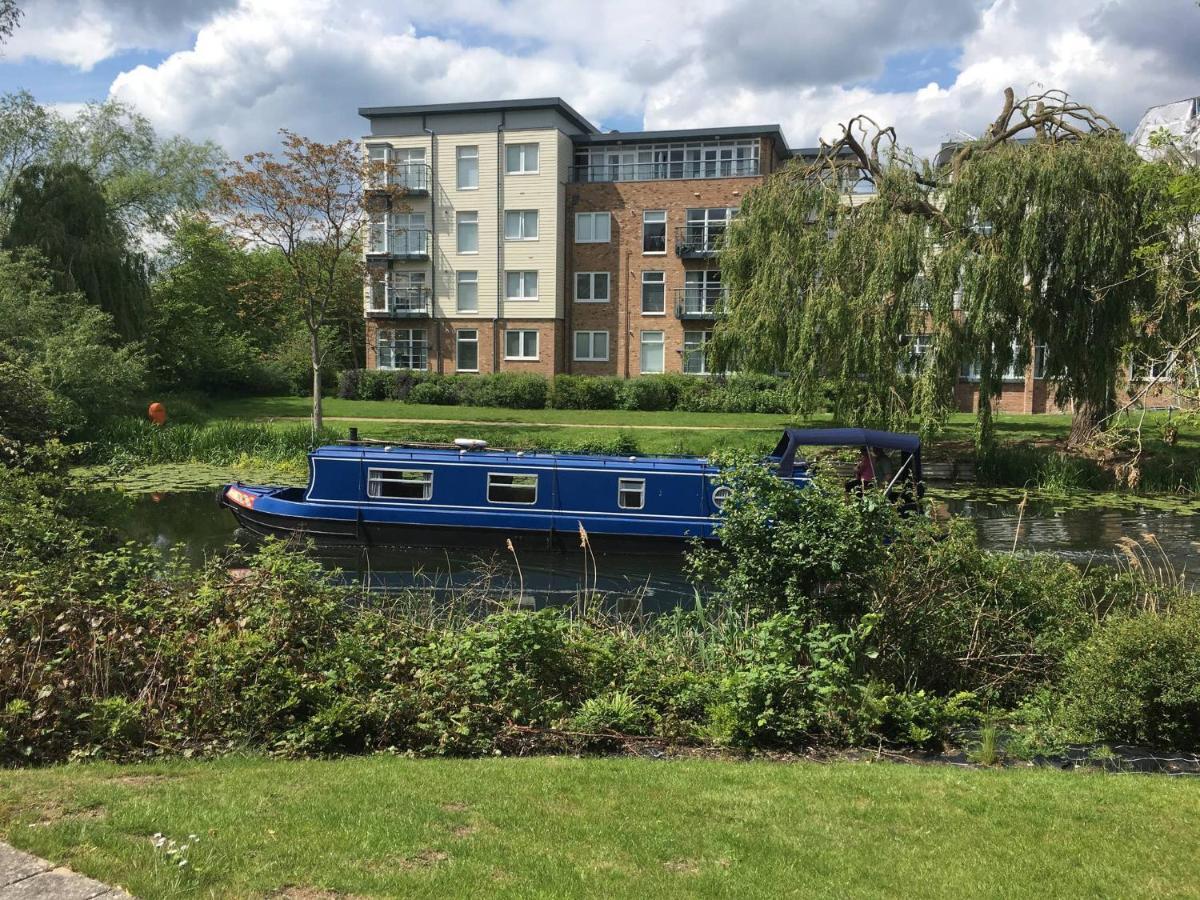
column 176, row 852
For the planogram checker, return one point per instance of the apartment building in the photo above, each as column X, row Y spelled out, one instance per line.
column 515, row 236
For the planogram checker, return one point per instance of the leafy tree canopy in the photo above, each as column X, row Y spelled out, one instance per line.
column 1028, row 236
column 61, row 212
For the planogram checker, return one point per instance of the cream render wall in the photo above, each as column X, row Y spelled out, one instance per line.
column 497, row 192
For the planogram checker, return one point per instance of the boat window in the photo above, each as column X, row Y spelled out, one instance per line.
column 720, row 495
column 511, row 488
column 631, row 493
column 399, row 484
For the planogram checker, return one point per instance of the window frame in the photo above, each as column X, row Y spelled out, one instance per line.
column 522, row 297
column 459, row 222
column 459, row 281
column 663, row 223
column 592, row 218
column 373, row 482
column 720, row 495
column 662, row 283
column 591, row 333
column 641, row 491
column 591, row 277
column 522, row 147
column 522, row 220
column 662, row 342
column 533, row 475
column 459, row 341
column 537, row 344
column 459, row 157
column 697, row 348
column 392, row 341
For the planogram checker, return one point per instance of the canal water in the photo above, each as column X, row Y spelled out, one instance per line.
column 192, row 521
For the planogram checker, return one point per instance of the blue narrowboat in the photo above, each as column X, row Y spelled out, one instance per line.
column 368, row 493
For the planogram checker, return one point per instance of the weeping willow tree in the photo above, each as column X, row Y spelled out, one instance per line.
column 1026, row 236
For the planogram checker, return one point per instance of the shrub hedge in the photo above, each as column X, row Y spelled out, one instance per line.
column 737, row 393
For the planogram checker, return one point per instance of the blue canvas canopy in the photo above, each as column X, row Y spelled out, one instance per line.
column 794, row 438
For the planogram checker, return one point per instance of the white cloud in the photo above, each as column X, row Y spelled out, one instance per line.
column 308, row 64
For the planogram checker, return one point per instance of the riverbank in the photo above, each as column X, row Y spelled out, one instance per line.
column 556, row 826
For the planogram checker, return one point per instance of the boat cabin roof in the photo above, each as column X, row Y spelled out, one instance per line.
column 515, row 458
column 794, row 438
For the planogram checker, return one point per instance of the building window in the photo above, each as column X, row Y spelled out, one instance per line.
column 706, row 227
column 971, row 371
column 694, row 361
column 707, row 159
column 652, row 352
column 399, row 291
column 504, row 488
column 466, row 350
column 467, row 160
column 919, row 346
column 654, row 231
column 654, row 293
column 397, row 234
column 468, row 232
column 521, row 285
column 399, row 484
column 402, row 348
column 591, row 346
column 520, row 159
column 1039, row 361
column 631, row 493
column 467, row 295
column 592, row 228
column 521, row 225
column 702, row 291
column 521, row 344
column 591, row 287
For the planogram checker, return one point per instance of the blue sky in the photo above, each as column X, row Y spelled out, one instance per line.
column 237, row 70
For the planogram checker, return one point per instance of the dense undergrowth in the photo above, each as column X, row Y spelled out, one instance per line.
column 825, row 620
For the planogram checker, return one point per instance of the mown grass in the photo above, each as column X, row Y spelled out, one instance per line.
column 556, row 827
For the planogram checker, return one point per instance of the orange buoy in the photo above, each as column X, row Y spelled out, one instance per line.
column 157, row 413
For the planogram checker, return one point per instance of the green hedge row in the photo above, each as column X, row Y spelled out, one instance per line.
column 737, row 393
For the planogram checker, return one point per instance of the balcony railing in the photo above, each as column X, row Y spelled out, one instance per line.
column 662, row 171
column 699, row 302
column 407, row 177
column 404, row 303
column 699, row 241
column 401, row 243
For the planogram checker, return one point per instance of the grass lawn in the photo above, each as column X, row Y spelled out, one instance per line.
column 554, row 827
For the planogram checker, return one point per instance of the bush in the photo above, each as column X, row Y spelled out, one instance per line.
column 586, row 392
column 1137, row 680
column 651, row 393
column 435, row 390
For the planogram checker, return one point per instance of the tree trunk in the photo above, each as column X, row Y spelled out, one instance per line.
column 1086, row 422
column 314, row 347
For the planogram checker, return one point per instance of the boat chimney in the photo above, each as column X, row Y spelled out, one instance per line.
column 354, row 435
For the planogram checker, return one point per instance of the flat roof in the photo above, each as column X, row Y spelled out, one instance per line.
column 773, row 131
column 422, row 109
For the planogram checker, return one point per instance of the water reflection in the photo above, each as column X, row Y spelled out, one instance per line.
column 192, row 521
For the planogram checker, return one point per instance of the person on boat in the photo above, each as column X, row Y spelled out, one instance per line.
column 864, row 473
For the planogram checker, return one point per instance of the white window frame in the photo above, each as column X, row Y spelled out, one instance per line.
column 464, row 153
column 461, row 218
column 523, row 279
column 523, row 343
column 694, row 348
column 523, row 149
column 661, row 281
column 591, row 218
column 375, row 479
column 393, row 341
column 459, row 340
column 591, row 281
column 721, row 495
column 646, row 220
column 591, row 341
column 459, row 281
column 522, row 219
column 662, row 342
column 533, row 475
column 631, row 484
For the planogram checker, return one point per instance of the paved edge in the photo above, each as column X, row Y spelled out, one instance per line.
column 24, row 876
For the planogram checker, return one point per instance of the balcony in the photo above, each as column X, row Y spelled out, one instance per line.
column 699, row 302
column 404, row 303
column 410, row 178
column 699, row 241
column 398, row 243
column 664, row 171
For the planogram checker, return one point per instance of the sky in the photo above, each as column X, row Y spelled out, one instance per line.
column 236, row 71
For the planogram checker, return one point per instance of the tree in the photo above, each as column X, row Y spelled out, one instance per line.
column 60, row 211
column 309, row 205
column 59, row 351
column 1028, row 234
column 10, row 16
